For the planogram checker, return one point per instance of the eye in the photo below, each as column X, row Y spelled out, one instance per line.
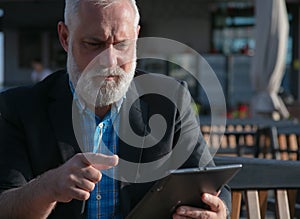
column 122, row 45
column 93, row 45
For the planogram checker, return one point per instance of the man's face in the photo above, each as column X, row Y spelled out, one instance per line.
column 102, row 51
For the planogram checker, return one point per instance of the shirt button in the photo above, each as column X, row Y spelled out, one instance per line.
column 98, row 197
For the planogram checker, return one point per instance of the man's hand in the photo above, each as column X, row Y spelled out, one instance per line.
column 77, row 177
column 217, row 209
column 72, row 180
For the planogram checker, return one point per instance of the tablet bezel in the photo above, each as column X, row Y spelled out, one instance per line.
column 182, row 187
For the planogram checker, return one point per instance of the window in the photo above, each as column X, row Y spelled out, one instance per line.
column 233, row 29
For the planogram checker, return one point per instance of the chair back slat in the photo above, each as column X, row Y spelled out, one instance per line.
column 282, row 205
column 236, row 197
column 252, row 202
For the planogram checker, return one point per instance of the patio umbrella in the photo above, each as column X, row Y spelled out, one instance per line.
column 268, row 64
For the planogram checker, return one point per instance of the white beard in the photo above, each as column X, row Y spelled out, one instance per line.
column 91, row 86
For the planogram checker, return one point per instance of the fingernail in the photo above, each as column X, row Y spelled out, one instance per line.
column 206, row 197
column 182, row 211
column 116, row 160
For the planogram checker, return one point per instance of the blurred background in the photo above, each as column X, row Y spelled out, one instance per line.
column 222, row 31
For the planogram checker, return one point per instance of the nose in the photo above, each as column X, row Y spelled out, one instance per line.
column 108, row 57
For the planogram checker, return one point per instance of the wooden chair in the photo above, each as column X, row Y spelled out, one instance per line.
column 234, row 140
column 238, row 137
column 255, row 181
column 281, row 143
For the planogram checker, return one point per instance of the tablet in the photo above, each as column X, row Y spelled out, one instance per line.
column 182, row 187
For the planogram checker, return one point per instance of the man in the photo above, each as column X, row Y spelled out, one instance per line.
column 43, row 170
column 39, row 72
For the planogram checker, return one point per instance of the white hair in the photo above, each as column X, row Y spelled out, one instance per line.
column 71, row 10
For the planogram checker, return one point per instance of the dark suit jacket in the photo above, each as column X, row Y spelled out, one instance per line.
column 36, row 135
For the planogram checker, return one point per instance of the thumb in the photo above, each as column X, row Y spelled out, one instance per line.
column 101, row 161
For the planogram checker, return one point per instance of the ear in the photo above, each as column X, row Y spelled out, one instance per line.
column 63, row 34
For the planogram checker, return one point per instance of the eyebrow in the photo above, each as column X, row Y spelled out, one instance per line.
column 95, row 39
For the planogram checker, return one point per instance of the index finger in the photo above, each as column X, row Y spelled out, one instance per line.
column 101, row 161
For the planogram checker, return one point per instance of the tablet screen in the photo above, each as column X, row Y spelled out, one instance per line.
column 182, row 187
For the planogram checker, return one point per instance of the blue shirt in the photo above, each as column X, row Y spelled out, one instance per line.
column 100, row 136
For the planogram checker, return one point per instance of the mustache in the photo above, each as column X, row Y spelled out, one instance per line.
column 100, row 71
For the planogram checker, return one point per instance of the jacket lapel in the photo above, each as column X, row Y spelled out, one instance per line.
column 133, row 120
column 133, row 126
column 60, row 114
